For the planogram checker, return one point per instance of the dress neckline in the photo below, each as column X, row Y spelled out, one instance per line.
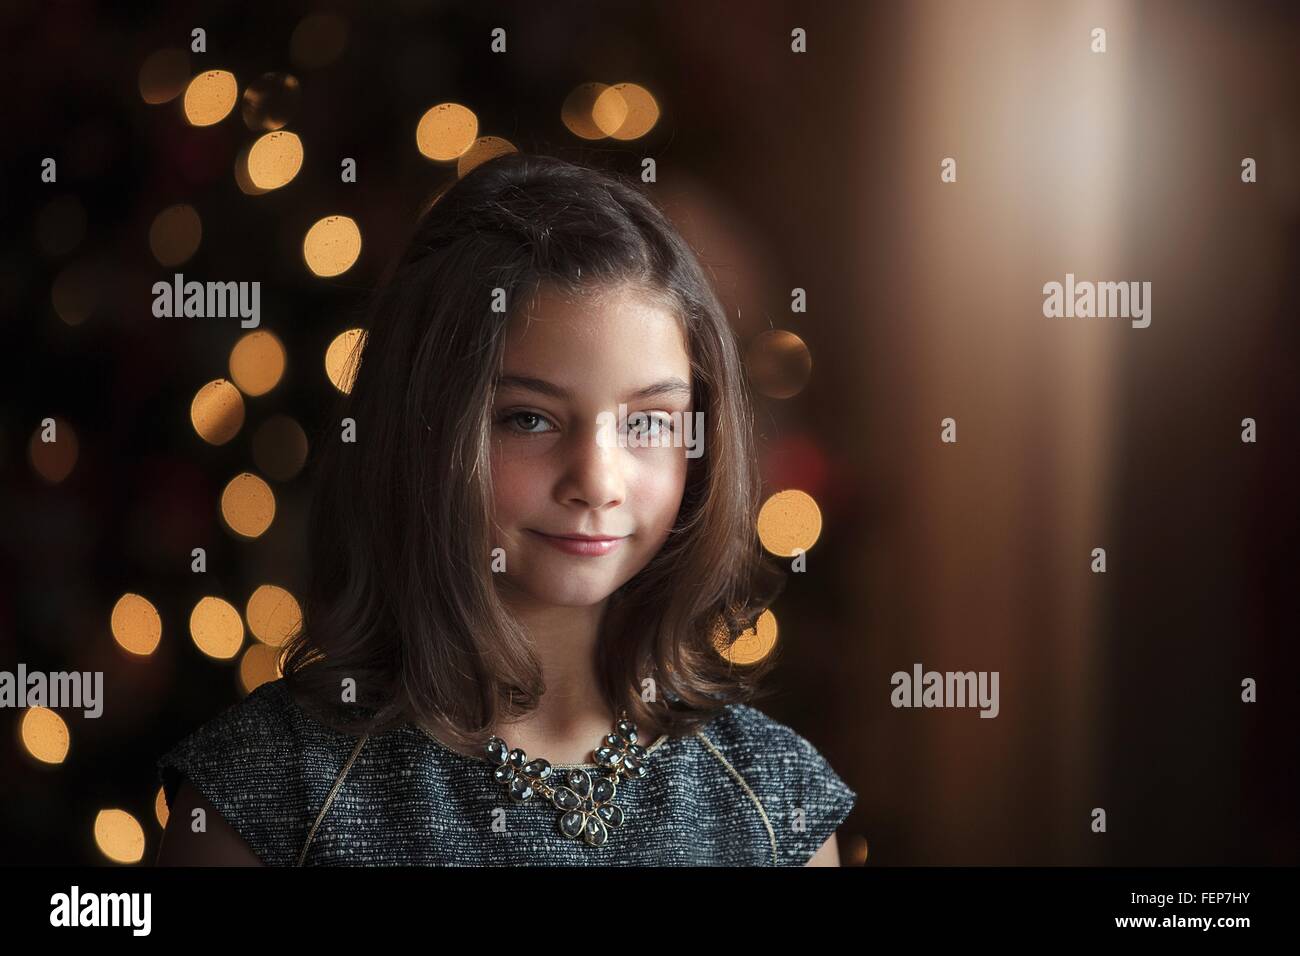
column 663, row 738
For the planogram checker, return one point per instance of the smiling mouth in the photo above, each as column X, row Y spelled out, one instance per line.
column 584, row 545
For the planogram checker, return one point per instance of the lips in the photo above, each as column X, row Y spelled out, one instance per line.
column 583, row 545
column 585, row 537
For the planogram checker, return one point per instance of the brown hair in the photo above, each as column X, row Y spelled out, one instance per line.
column 401, row 597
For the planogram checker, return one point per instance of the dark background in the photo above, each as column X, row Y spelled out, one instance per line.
column 820, row 171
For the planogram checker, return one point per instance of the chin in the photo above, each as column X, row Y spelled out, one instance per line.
column 567, row 591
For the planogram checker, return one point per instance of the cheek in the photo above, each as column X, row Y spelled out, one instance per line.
column 659, row 492
column 515, row 484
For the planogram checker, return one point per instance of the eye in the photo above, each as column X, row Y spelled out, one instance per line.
column 529, row 418
column 649, row 426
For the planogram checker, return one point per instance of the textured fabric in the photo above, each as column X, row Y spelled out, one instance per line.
column 744, row 791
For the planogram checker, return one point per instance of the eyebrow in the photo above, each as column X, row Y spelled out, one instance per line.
column 667, row 387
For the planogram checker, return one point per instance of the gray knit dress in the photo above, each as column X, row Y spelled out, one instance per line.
column 744, row 790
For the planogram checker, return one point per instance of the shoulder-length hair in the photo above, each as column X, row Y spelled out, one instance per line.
column 401, row 598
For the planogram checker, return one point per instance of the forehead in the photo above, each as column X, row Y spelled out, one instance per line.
column 608, row 333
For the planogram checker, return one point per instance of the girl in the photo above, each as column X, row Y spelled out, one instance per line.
column 524, row 575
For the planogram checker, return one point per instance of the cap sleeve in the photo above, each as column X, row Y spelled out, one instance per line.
column 817, row 801
column 805, row 799
column 245, row 763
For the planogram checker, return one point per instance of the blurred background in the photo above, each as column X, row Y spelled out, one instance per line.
column 815, row 170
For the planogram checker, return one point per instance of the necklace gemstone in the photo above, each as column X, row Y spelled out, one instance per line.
column 585, row 800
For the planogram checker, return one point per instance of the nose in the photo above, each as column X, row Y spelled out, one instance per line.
column 593, row 471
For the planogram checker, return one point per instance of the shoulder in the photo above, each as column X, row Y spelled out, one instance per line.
column 797, row 790
column 246, row 762
column 257, row 728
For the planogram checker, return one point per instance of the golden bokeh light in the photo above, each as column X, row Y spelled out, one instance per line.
column 318, row 40
column 631, row 106
column 778, row 363
column 242, row 180
column 248, row 505
column 273, row 615
column 216, row 628
column 217, row 412
column 260, row 663
column 753, row 644
column 136, row 625
column 160, row 809
column 789, row 521
column 484, row 148
column 45, row 735
column 210, row 97
column 257, row 362
column 54, row 460
column 343, row 358
column 280, row 447
column 719, row 636
column 579, row 111
column 446, row 131
column 163, row 76
column 853, row 851
column 274, row 160
column 332, row 245
column 119, row 836
column 175, row 234
column 270, row 101
column 76, row 292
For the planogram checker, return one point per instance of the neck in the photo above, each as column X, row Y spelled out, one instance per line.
column 572, row 715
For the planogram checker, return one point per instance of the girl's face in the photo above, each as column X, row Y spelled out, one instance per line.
column 558, row 466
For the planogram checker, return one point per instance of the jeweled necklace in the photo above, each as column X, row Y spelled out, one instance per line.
column 586, row 801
